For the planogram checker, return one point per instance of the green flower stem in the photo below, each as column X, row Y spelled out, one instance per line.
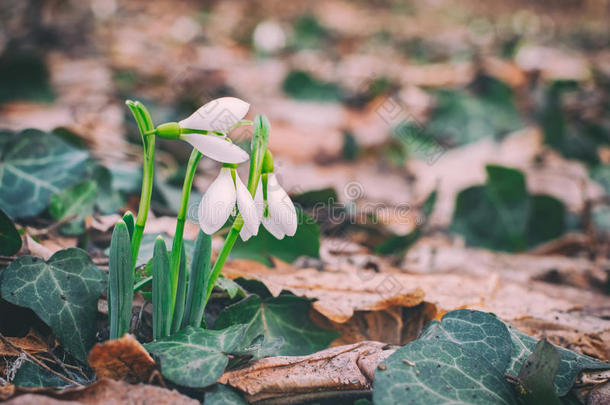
column 259, row 148
column 180, row 220
column 146, row 127
column 223, row 255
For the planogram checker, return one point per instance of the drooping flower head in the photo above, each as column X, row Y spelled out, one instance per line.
column 207, row 127
column 220, row 199
column 274, row 207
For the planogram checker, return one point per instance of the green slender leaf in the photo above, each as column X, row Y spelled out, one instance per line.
column 477, row 332
column 285, row 317
column 196, row 357
column 63, row 292
column 223, row 395
column 199, row 276
column 439, row 372
column 10, row 240
column 33, row 166
column 129, row 222
column 180, row 293
column 162, row 291
column 120, row 281
column 537, row 375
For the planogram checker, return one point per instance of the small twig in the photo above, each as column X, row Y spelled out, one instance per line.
column 38, row 362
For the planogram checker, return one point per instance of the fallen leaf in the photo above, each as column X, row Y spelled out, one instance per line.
column 122, row 359
column 339, row 368
column 6, row 391
column 31, row 343
column 103, row 392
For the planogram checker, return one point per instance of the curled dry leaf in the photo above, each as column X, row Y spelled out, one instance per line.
column 122, row 359
column 102, row 392
column 30, row 343
column 349, row 367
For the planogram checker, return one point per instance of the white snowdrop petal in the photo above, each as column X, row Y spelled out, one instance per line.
column 217, row 115
column 273, row 227
column 216, row 147
column 258, row 200
column 246, row 206
column 217, row 203
column 281, row 208
column 244, row 234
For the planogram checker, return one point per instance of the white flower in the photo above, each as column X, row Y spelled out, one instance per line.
column 280, row 217
column 219, row 201
column 216, row 117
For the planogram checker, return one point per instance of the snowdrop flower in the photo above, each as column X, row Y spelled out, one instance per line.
column 218, row 203
column 206, row 129
column 274, row 207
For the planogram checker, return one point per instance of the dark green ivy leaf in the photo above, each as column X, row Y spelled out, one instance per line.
column 63, row 292
column 478, row 332
column 439, row 372
column 500, row 215
column 301, row 85
column 285, row 317
column 196, row 357
column 33, row 166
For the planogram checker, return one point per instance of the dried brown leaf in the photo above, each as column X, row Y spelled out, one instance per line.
column 102, row 392
column 122, row 359
column 31, row 343
column 347, row 367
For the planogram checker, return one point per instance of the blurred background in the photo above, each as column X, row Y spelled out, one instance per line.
column 373, row 104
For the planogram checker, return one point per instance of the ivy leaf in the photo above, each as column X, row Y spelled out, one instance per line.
column 223, row 395
column 570, row 366
column 477, row 332
column 34, row 165
column 10, row 240
column 77, row 202
column 31, row 375
column 462, row 117
column 301, row 85
column 305, row 242
column 439, row 372
column 196, row 357
column 500, row 215
column 285, row 317
column 63, row 292
column 538, row 373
